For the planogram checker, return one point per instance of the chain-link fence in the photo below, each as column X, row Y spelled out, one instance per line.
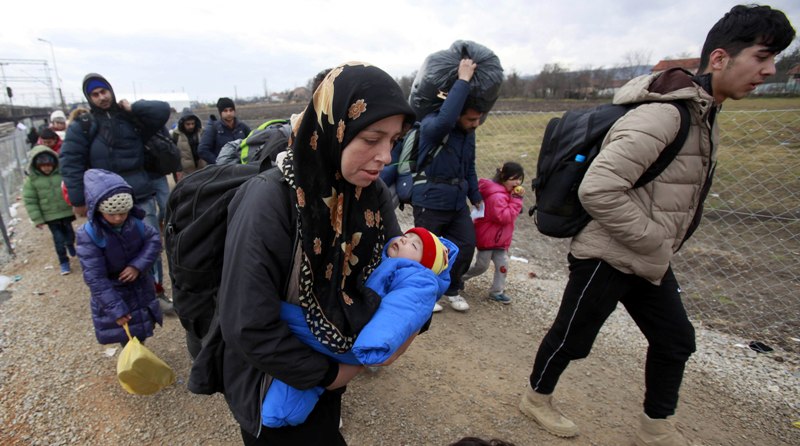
column 13, row 150
column 739, row 271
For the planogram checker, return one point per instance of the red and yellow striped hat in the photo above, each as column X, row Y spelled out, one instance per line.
column 434, row 253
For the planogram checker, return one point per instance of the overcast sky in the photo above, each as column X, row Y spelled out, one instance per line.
column 237, row 49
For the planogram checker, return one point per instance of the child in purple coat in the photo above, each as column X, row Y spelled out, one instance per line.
column 117, row 250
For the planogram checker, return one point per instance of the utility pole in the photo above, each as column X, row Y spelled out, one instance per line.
column 55, row 68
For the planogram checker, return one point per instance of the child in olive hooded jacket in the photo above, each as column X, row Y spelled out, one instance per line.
column 41, row 193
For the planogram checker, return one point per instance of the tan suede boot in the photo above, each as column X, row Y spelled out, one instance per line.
column 540, row 408
column 658, row 432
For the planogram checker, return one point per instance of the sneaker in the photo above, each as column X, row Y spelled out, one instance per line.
column 540, row 407
column 458, row 303
column 657, row 432
column 71, row 250
column 165, row 304
column 65, row 269
column 500, row 297
column 437, row 308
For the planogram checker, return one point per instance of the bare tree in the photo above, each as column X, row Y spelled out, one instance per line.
column 513, row 86
column 632, row 61
column 603, row 78
column 551, row 81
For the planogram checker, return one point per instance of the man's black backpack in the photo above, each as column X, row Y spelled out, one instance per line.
column 196, row 225
column 569, row 146
column 161, row 153
column 411, row 170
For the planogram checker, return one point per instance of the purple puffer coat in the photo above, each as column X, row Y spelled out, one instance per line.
column 110, row 298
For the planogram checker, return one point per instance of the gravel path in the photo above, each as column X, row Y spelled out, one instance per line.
column 463, row 377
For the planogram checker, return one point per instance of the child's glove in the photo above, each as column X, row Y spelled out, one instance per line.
column 518, row 191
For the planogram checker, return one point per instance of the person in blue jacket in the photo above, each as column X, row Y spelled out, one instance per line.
column 111, row 137
column 117, row 250
column 222, row 131
column 413, row 274
column 440, row 203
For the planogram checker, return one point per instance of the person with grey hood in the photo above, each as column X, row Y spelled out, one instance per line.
column 187, row 136
column 111, row 137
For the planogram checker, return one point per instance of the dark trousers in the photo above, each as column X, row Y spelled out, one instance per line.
column 457, row 227
column 63, row 236
column 320, row 429
column 592, row 293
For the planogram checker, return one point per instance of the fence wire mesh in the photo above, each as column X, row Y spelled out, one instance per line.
column 739, row 271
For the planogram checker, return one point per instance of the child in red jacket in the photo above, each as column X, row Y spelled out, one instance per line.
column 503, row 199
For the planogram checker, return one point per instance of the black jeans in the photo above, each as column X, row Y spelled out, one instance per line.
column 591, row 295
column 320, row 429
column 457, row 227
column 63, row 236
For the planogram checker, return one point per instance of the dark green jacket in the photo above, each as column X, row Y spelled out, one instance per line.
column 41, row 193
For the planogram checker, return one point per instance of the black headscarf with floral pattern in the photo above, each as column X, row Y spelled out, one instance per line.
column 341, row 228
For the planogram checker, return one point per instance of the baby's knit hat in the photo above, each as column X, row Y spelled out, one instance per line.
column 434, row 254
column 116, row 204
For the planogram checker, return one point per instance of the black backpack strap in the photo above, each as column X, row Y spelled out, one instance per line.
column 671, row 151
column 85, row 121
column 429, row 157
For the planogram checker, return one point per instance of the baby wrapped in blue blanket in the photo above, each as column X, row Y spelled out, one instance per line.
column 413, row 274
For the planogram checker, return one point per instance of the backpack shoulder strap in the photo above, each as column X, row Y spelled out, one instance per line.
column 86, row 122
column 430, row 156
column 98, row 240
column 139, row 226
column 671, row 151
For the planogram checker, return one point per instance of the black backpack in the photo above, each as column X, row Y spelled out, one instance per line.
column 569, row 146
column 270, row 139
column 266, row 141
column 161, row 153
column 411, row 170
column 196, row 225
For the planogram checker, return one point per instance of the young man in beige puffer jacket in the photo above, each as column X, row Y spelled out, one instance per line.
column 624, row 253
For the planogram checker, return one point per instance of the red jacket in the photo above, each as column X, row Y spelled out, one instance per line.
column 57, row 147
column 495, row 228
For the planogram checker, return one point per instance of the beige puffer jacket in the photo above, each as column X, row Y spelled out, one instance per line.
column 187, row 160
column 638, row 230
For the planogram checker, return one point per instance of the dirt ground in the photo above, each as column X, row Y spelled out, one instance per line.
column 462, row 378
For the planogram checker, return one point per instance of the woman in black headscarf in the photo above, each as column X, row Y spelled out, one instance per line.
column 309, row 233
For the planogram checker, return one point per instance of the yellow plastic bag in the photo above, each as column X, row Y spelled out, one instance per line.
column 140, row 371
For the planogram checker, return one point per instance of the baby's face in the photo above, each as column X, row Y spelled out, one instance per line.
column 408, row 246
